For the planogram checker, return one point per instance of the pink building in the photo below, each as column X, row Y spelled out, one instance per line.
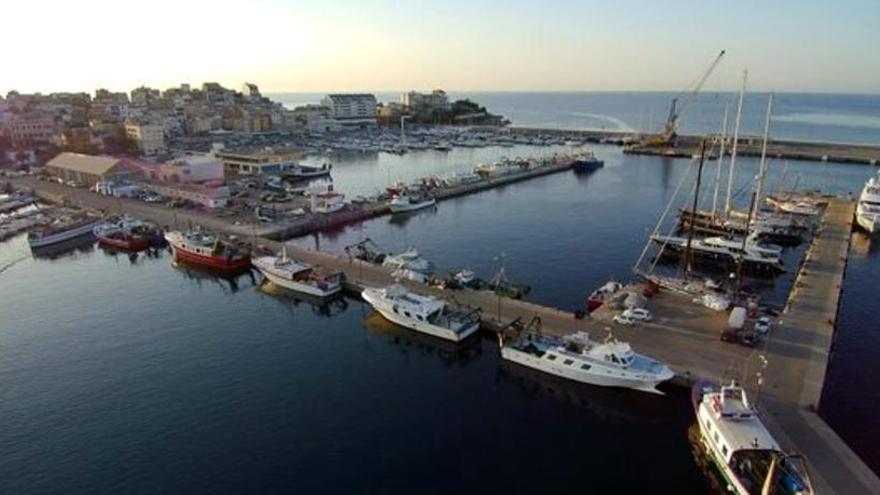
column 190, row 169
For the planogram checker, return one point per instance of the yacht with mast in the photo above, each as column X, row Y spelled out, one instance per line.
column 739, row 445
column 868, row 209
column 749, row 251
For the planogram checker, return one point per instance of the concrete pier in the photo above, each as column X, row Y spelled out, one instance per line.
column 684, row 335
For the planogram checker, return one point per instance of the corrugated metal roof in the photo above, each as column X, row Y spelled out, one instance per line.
column 88, row 164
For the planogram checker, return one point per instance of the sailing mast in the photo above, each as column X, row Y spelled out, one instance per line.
column 688, row 253
column 739, row 107
column 720, row 161
column 762, row 167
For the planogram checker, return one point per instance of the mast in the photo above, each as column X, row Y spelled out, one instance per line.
column 742, row 253
column 720, row 160
column 739, row 107
column 688, row 254
column 762, row 166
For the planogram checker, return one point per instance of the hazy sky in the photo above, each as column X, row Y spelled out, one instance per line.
column 457, row 45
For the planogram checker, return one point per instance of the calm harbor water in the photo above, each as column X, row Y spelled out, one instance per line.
column 137, row 376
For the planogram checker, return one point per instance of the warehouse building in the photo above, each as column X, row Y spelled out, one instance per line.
column 89, row 170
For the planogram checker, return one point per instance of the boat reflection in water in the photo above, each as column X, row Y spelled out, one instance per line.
column 321, row 306
column 69, row 248
column 133, row 256
column 714, row 479
column 228, row 282
column 861, row 244
column 605, row 402
column 403, row 218
column 450, row 353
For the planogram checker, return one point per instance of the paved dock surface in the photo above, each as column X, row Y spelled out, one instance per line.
column 797, row 352
column 684, row 335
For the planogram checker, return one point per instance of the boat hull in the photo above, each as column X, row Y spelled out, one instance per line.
column 867, row 222
column 235, row 264
column 131, row 244
column 575, row 373
column 417, row 325
column 57, row 238
column 295, row 286
column 412, row 206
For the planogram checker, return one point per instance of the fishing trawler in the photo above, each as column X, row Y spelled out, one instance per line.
column 298, row 276
column 739, row 445
column 207, row 250
column 577, row 357
column 61, row 230
column 423, row 314
column 868, row 209
column 126, row 234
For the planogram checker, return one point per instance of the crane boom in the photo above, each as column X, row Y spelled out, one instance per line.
column 681, row 103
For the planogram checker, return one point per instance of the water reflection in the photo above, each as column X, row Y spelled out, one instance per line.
column 401, row 219
column 605, row 402
column 713, row 478
column 862, row 244
column 228, row 283
column 450, row 353
column 67, row 249
column 326, row 307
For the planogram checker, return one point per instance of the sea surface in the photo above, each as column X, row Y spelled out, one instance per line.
column 138, row 376
column 850, row 118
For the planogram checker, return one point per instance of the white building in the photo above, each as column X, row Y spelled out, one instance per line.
column 352, row 109
column 150, row 138
column 312, row 119
column 250, row 91
column 436, row 99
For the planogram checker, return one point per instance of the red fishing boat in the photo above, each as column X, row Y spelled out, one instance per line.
column 199, row 248
column 602, row 294
column 125, row 234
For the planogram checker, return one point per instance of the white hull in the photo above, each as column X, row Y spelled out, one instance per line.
column 596, row 376
column 64, row 236
column 396, row 208
column 867, row 222
column 299, row 286
column 419, row 325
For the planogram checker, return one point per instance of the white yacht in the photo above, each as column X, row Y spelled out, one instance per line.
column 746, row 455
column 756, row 254
column 610, row 364
column 404, row 202
column 409, row 260
column 868, row 209
column 423, row 314
column 297, row 275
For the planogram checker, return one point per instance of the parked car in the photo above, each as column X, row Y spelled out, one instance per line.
column 153, row 198
column 637, row 314
column 762, row 326
column 622, row 319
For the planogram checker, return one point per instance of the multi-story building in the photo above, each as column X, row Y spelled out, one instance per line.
column 31, row 129
column 356, row 110
column 250, row 91
column 435, row 100
column 258, row 162
column 311, row 118
column 150, row 138
column 145, row 96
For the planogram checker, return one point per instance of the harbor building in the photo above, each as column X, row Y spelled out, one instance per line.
column 352, row 110
column 258, row 162
column 435, row 100
column 150, row 138
column 89, row 170
column 311, row 118
column 189, row 169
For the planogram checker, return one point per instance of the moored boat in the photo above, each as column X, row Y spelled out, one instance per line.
column 62, row 230
column 298, row 276
column 598, row 297
column 868, row 208
column 125, row 234
column 423, row 314
column 403, row 203
column 750, row 252
column 577, row 357
column 586, row 162
column 207, row 250
column 740, row 446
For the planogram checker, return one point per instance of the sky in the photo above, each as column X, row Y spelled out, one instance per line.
column 458, row 45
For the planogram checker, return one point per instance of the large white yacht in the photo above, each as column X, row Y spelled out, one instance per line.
column 752, row 252
column 298, row 275
column 868, row 209
column 423, row 314
column 611, row 363
column 746, row 455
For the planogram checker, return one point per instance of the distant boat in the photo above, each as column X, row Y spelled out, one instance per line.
column 868, row 209
column 598, row 297
column 302, row 172
column 298, row 276
column 587, row 162
column 423, row 314
column 577, row 357
column 403, row 203
column 207, row 250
